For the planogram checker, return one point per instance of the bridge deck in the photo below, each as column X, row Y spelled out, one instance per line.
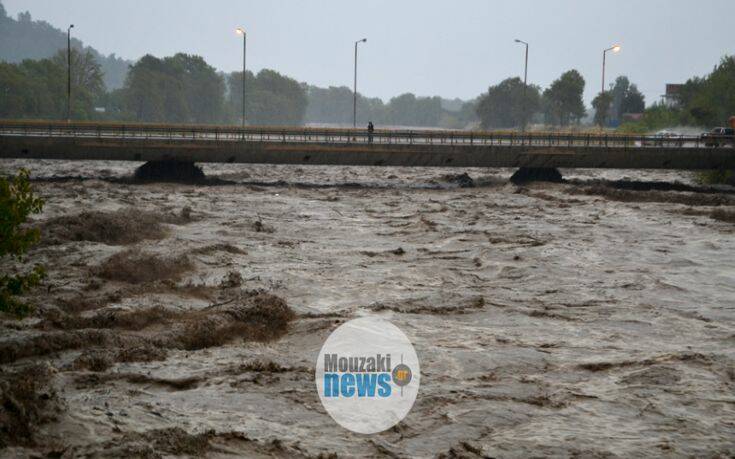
column 272, row 145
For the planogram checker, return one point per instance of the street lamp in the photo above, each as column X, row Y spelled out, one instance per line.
column 525, row 83
column 68, row 73
column 614, row 49
column 354, row 99
column 241, row 31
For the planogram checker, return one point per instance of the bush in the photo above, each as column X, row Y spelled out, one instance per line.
column 17, row 202
column 716, row 177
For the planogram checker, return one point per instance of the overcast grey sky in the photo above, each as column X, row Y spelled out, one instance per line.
column 452, row 48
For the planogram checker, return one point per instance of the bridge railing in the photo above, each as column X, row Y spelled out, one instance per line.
column 163, row 132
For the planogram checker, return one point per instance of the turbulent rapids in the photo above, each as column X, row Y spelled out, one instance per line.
column 546, row 317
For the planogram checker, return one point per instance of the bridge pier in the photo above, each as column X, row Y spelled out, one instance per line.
column 169, row 170
column 536, row 174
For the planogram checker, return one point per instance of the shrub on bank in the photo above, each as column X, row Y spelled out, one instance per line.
column 17, row 202
column 718, row 177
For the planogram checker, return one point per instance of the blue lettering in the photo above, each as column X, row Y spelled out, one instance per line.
column 384, row 383
column 347, row 385
column 331, row 385
column 366, row 385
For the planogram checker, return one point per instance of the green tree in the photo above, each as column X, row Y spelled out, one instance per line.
column 87, row 82
column 330, row 105
column 177, row 89
column 702, row 101
column 409, row 110
column 626, row 98
column 711, row 101
column 270, row 98
column 203, row 88
column 634, row 101
column 563, row 103
column 508, row 104
column 17, row 202
column 145, row 90
column 37, row 89
column 13, row 92
column 602, row 105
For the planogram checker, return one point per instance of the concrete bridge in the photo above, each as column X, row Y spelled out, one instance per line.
column 310, row 146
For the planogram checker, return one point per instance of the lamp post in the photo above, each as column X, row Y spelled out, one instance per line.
column 614, row 49
column 241, row 31
column 354, row 98
column 68, row 73
column 525, row 83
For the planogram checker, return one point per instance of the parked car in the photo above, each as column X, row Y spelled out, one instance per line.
column 662, row 138
column 718, row 137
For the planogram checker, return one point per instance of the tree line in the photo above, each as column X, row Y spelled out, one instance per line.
column 185, row 89
column 334, row 105
column 177, row 89
column 510, row 104
column 706, row 101
column 37, row 89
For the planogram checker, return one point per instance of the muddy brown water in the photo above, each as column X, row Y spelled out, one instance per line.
column 549, row 319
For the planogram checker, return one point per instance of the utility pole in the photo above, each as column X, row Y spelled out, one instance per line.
column 354, row 98
column 615, row 49
column 525, row 85
column 68, row 73
column 241, row 31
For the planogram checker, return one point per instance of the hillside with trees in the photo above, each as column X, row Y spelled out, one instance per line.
column 23, row 38
column 182, row 88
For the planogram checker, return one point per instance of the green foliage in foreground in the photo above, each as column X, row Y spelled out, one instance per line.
column 718, row 177
column 17, row 202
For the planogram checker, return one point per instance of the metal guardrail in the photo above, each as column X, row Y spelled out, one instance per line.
column 125, row 131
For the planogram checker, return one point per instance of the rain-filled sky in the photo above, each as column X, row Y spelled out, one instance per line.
column 451, row 48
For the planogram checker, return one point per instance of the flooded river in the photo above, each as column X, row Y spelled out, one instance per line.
column 589, row 318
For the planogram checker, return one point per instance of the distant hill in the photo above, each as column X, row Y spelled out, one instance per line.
column 25, row 38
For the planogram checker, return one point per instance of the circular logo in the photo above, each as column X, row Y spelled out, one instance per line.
column 368, row 375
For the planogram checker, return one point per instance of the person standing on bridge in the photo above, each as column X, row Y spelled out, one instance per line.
column 371, row 130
